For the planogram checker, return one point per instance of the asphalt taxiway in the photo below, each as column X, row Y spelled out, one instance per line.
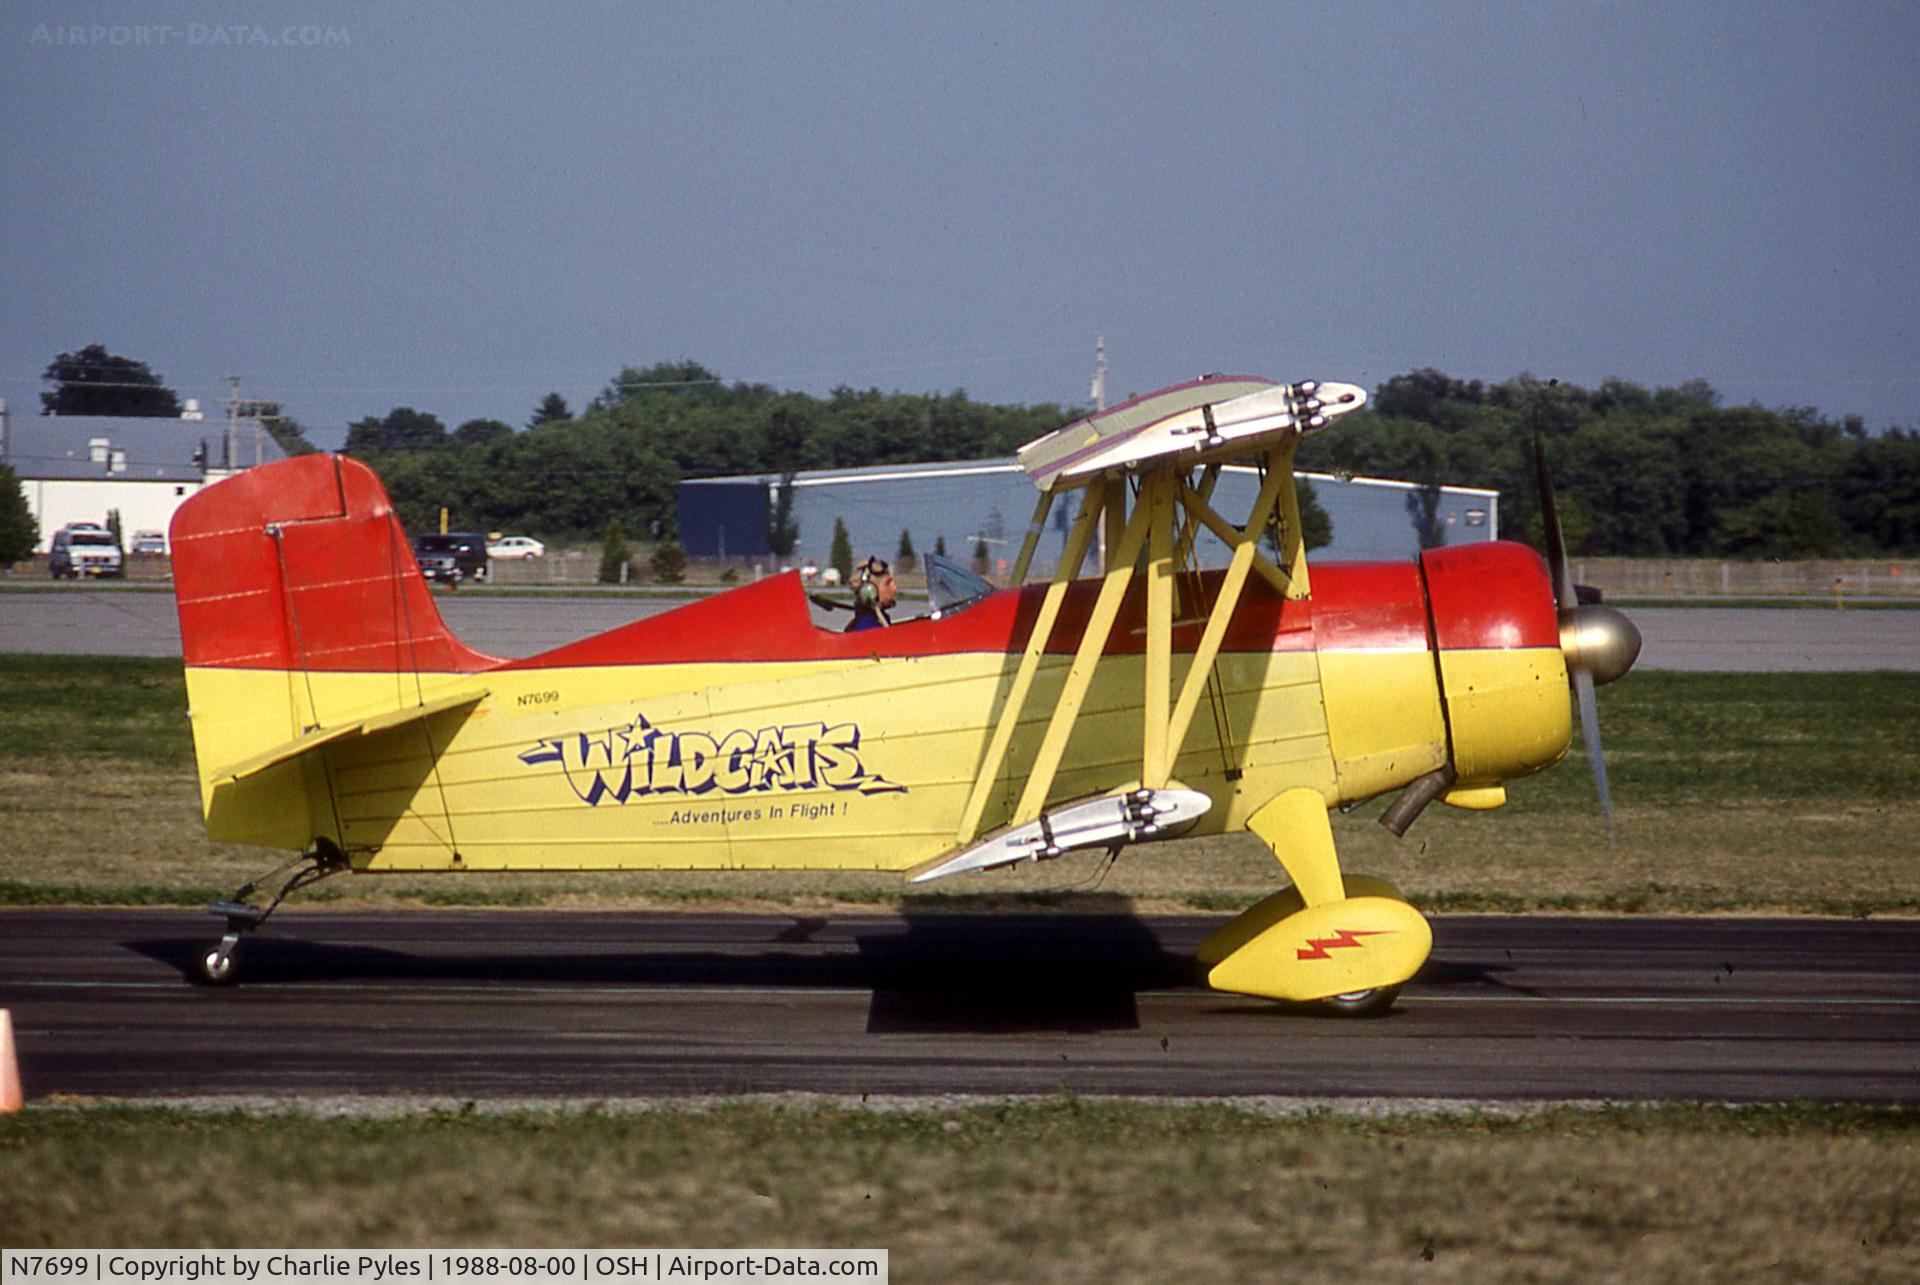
column 495, row 1005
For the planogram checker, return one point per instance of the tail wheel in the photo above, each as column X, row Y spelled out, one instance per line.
column 216, row 967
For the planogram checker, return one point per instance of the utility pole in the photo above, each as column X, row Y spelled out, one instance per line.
column 1117, row 505
column 233, row 415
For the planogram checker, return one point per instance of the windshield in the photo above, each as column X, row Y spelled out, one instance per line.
column 951, row 586
column 92, row 537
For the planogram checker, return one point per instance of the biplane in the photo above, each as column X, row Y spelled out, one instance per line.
column 336, row 716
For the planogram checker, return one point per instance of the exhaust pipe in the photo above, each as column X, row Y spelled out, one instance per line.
column 1413, row 800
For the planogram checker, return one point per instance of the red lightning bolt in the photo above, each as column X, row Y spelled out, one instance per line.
column 1317, row 947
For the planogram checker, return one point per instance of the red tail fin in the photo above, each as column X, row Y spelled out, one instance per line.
column 302, row 565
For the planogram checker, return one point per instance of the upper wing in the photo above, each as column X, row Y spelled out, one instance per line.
column 1217, row 416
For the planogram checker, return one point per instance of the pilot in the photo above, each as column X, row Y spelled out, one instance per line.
column 874, row 593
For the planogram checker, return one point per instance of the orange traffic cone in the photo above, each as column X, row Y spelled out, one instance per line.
column 10, row 1097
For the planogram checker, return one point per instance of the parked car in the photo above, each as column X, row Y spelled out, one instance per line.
column 83, row 549
column 517, row 546
column 453, row 557
column 149, row 544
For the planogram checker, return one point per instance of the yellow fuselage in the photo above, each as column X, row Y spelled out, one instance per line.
column 863, row 762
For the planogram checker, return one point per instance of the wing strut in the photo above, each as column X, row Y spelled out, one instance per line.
column 1293, row 539
column 1035, row 529
column 1093, row 643
column 1190, row 525
column 1198, row 508
column 1157, row 497
column 1245, row 553
column 1078, row 541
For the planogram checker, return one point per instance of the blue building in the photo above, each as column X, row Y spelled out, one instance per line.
column 969, row 501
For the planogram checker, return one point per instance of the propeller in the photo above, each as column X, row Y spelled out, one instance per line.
column 1600, row 643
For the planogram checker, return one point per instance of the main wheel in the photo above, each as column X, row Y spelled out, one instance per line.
column 1372, row 1003
column 216, row 967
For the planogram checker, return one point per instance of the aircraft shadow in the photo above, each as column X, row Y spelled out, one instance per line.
column 1466, row 972
column 929, row 973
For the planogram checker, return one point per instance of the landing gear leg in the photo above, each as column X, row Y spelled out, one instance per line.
column 218, row 967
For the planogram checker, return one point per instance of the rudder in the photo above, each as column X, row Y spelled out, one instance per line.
column 301, row 609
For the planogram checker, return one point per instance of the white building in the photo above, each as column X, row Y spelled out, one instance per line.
column 79, row 468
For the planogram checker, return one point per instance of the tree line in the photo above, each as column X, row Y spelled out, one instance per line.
column 566, row 476
column 1637, row 471
column 1643, row 472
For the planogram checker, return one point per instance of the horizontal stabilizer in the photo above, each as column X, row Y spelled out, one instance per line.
column 321, row 736
column 1109, row 822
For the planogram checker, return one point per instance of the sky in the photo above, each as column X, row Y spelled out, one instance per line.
column 463, row 207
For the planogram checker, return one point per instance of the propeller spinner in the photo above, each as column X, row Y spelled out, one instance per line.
column 1600, row 643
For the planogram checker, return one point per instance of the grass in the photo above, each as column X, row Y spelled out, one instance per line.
column 1055, row 1189
column 1774, row 792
